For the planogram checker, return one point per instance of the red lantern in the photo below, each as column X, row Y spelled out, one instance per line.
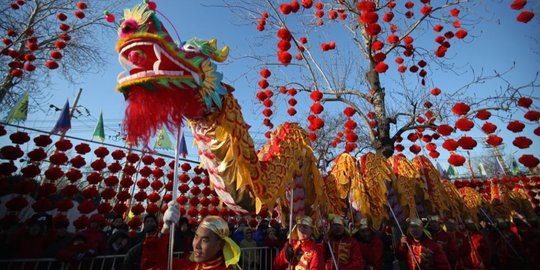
column 489, row 127
column 456, row 160
column 529, row 161
column 515, row 126
column 522, row 142
column 461, row 108
column 467, row 143
column 464, row 124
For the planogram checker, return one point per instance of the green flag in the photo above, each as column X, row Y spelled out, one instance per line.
column 163, row 141
column 19, row 111
column 99, row 132
column 515, row 167
column 451, row 171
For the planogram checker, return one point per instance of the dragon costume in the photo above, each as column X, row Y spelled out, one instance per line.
column 166, row 82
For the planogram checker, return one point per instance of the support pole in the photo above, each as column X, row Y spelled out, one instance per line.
column 291, row 208
column 401, row 231
column 172, row 227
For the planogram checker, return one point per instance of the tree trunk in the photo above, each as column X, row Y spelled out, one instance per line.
column 383, row 142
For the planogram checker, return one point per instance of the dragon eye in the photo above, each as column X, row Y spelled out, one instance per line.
column 190, row 48
column 129, row 26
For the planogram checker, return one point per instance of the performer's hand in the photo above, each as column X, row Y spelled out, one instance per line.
column 289, row 253
column 171, row 216
column 403, row 240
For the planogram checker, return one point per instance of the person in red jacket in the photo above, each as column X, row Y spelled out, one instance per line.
column 213, row 249
column 302, row 253
column 345, row 249
column 444, row 239
column 475, row 252
column 371, row 245
column 420, row 251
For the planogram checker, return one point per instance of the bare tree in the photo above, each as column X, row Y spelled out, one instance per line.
column 377, row 33
column 42, row 37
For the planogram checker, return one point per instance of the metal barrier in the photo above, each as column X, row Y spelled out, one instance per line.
column 251, row 259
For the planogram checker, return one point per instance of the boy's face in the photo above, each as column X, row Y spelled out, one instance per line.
column 206, row 245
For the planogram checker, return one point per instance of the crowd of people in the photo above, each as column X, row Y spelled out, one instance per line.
column 431, row 243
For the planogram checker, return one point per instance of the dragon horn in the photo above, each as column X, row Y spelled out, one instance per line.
column 221, row 55
column 218, row 55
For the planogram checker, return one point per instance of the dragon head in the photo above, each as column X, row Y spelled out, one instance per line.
column 164, row 82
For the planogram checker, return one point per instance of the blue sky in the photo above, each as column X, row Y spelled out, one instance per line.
column 498, row 43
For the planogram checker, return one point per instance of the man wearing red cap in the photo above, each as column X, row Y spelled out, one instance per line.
column 303, row 253
column 420, row 251
column 371, row 246
column 444, row 239
column 345, row 250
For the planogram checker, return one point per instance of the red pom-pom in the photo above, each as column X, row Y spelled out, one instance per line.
column 151, row 5
column 381, row 67
column 98, row 164
column 284, row 57
column 82, row 148
column 316, row 95
column 61, row 16
column 349, row 111
column 317, row 108
column 79, row 14
column 435, row 91
column 81, row 5
column 265, row 73
column 63, row 145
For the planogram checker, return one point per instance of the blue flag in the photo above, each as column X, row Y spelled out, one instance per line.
column 182, row 147
column 64, row 122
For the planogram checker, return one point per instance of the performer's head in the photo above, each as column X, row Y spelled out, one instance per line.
column 212, row 240
column 470, row 225
column 303, row 229
column 434, row 223
column 415, row 228
column 338, row 226
column 150, row 224
column 364, row 231
column 451, row 225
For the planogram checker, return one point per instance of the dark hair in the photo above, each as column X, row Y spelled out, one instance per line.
column 150, row 216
